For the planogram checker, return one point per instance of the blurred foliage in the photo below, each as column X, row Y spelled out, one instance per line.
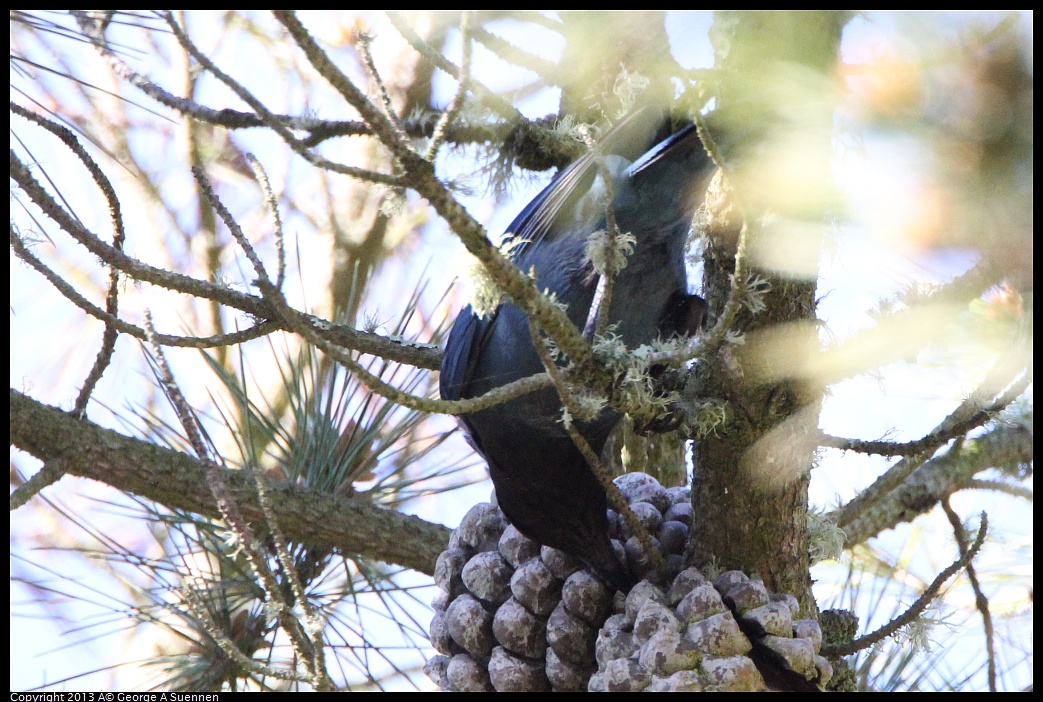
column 925, row 301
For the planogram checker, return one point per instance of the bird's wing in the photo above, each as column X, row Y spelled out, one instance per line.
column 467, row 339
column 462, row 351
column 550, row 213
column 548, row 216
column 660, row 151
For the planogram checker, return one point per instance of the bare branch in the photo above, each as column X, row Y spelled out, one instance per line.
column 420, row 355
column 937, row 478
column 362, row 41
column 1000, row 486
column 273, row 207
column 940, row 436
column 550, row 147
column 484, row 94
column 969, row 411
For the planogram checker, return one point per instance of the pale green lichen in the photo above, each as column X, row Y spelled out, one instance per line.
column 487, row 295
column 825, row 538
column 608, row 259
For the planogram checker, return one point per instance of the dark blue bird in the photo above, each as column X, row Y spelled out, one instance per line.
column 543, row 484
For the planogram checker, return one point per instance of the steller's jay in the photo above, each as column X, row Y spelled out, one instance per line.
column 543, row 484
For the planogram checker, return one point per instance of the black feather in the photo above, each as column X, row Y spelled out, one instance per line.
column 543, row 484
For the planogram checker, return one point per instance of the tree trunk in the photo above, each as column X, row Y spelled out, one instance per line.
column 750, row 488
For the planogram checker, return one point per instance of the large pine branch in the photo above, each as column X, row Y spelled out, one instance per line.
column 178, row 481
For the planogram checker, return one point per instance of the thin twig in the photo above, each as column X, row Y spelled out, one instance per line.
column 362, row 41
column 270, row 120
column 486, row 96
column 547, row 70
column 546, row 140
column 453, row 108
column 615, row 495
column 980, row 601
column 941, row 434
column 917, row 607
column 1000, row 486
column 272, row 204
column 108, row 339
column 50, row 473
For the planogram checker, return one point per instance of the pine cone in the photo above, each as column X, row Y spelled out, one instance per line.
column 514, row 616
